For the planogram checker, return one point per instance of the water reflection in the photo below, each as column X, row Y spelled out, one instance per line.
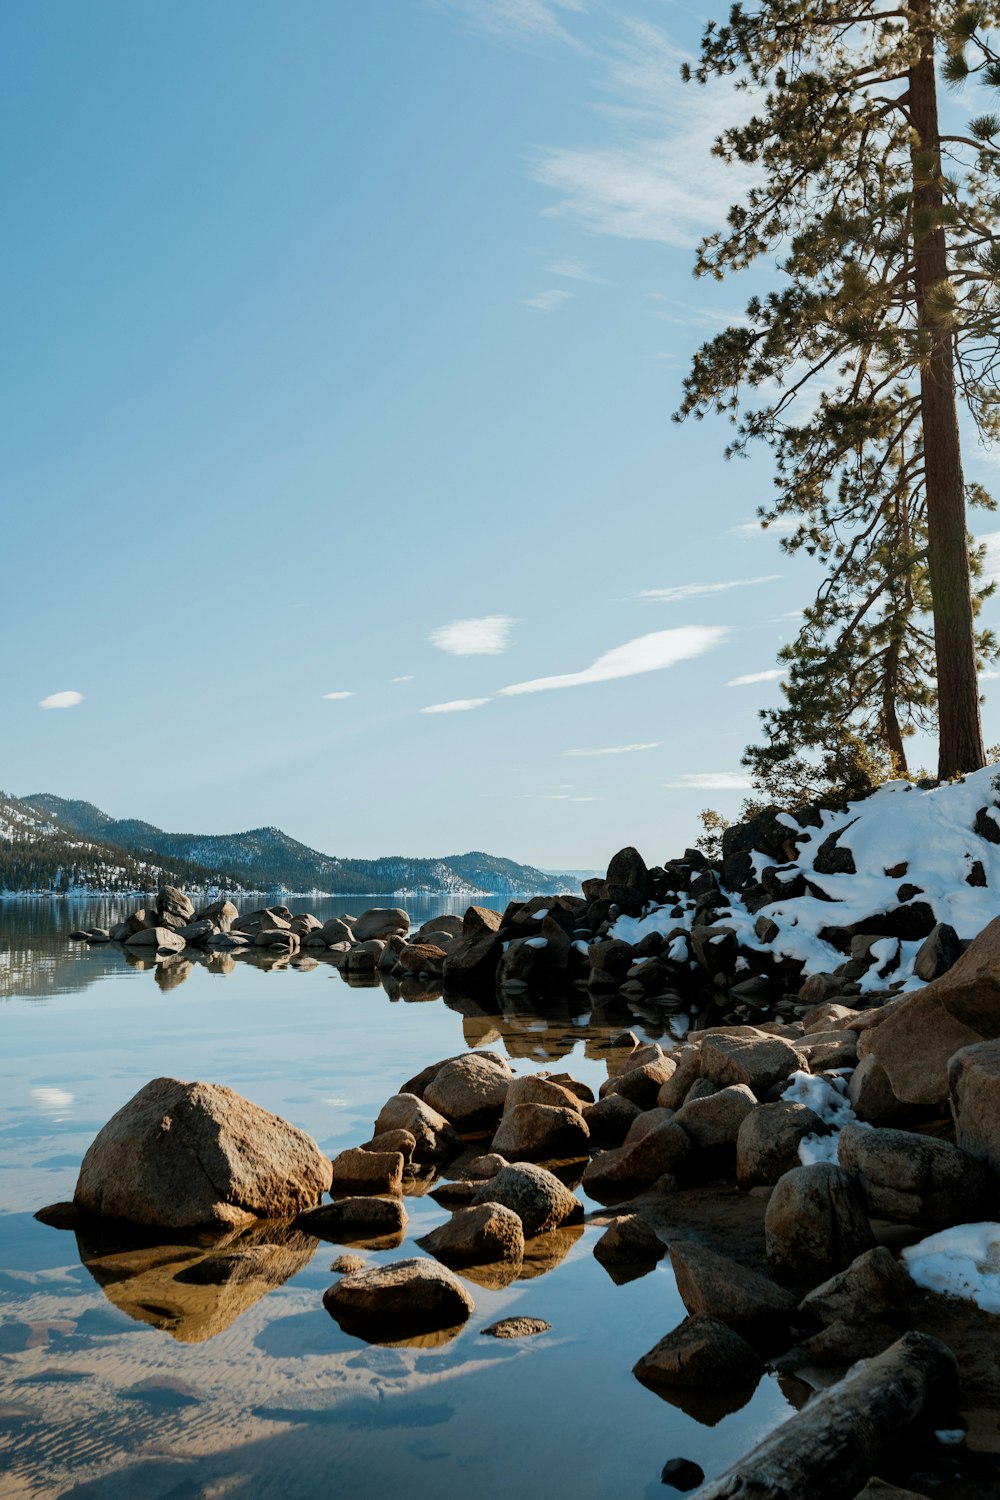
column 191, row 1291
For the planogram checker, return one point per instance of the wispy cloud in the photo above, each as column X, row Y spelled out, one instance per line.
column 520, row 20
column 576, row 270
column 648, row 653
column 771, row 675
column 658, row 180
column 681, row 592
column 780, row 526
column 711, row 781
column 456, row 706
column 488, row 635
column 61, row 700
column 617, row 749
column 52, row 1101
column 990, row 540
column 407, row 677
column 335, row 697
column 548, row 301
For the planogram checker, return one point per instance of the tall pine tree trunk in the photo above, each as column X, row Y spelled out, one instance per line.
column 960, row 746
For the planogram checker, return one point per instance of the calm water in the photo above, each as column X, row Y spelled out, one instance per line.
column 136, row 1377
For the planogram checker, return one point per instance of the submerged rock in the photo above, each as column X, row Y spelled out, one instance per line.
column 516, row 1328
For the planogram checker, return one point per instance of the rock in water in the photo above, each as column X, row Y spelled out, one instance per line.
column 538, row 1198
column 477, row 1236
column 702, row 1354
column 185, row 1155
column 398, row 1301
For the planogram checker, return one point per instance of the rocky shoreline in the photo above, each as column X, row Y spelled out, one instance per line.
column 817, row 1149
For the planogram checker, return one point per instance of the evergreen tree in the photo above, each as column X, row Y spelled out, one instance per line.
column 885, row 231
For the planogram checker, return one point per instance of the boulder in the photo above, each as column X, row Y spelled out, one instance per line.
column 673, row 1093
column 700, row 1354
column 916, row 1179
column 472, row 960
column 481, row 1168
column 970, row 991
column 716, row 948
column 381, row 922
column 181, row 1155
column 815, row 1223
column 357, row 1171
column 609, row 1119
column 196, row 932
column 222, row 913
column 435, row 1139
column 403, row 1141
column 470, row 1090
column 542, row 1132
column 664, row 1149
column 450, row 925
column 938, row 952
column 336, row 931
column 173, row 907
column 641, row 1084
column 365, row 1217
column 479, row 1235
column 916, row 1041
column 538, row 1198
column 407, row 1298
column 159, row 939
column 421, row 958
column 872, row 1289
column 974, row 1082
column 714, row 1122
column 517, row 1328
column 536, row 1088
column 479, row 920
column 870, row 1092
column 722, row 1288
column 629, row 1241
column 767, row 1145
column 750, row 1058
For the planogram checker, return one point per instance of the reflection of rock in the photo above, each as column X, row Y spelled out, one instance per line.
column 191, row 1291
column 546, row 1251
column 171, row 972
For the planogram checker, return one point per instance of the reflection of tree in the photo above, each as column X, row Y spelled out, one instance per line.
column 191, row 1291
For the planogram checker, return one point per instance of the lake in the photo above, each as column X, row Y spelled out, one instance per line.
column 130, row 1376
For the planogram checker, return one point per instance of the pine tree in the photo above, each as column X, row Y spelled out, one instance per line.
column 886, row 234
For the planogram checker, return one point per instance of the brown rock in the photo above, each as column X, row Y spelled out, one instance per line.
column 974, row 1082
column 538, row 1198
column 403, row 1141
column 700, row 1354
column 916, row 1179
column 421, row 958
column 870, row 1092
column 538, row 1132
column 722, row 1288
column 914, row 1046
column 629, row 1241
column 715, row 1122
column 516, row 1328
column 970, row 990
column 757, row 1061
column 364, row 1217
column 815, row 1223
column 641, row 1084
column 477, row 1235
column 470, row 1091
column 767, row 1145
column 479, row 920
column 435, row 1139
column 609, row 1120
column 871, row 1289
column 356, row 1171
column 534, row 1089
column 663, row 1149
column 399, row 1300
column 191, row 1154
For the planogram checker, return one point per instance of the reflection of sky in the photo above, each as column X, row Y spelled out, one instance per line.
column 282, row 1400
column 52, row 1101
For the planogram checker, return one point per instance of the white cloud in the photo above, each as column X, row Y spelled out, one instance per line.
column 407, row 677
column 617, row 749
column 780, row 526
column 648, row 653
column 489, row 635
column 576, row 270
column 771, row 675
column 989, row 676
column 61, row 700
column 520, row 20
column 711, row 781
column 684, row 591
column 991, row 560
column 335, row 697
column 548, row 301
column 52, row 1101
column 456, row 706
column 658, row 180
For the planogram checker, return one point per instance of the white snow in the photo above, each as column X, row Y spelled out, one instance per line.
column 678, row 950
column 536, row 942
column 950, row 1435
column 931, row 831
column 829, row 1100
column 962, row 1262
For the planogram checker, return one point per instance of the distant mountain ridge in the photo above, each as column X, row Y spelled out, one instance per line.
column 42, row 829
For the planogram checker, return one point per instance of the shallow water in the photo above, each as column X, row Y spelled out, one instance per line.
column 137, row 1375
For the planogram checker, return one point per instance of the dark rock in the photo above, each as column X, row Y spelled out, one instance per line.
column 832, row 858
column 700, row 1354
column 714, row 1122
column 871, row 1289
column 722, row 1288
column 354, row 1218
column 516, row 1328
column 629, row 1241
column 986, row 825
column 767, row 1145
column 682, row 1474
column 405, row 1299
column 916, row 1179
column 628, row 868
column 609, row 1120
column 815, row 1223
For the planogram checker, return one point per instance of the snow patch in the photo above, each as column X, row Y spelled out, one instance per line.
column 962, row 1262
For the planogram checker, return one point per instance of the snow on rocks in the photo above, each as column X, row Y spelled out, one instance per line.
column 962, row 1262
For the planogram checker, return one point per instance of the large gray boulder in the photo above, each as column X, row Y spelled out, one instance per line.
column 767, row 1145
column 185, row 1155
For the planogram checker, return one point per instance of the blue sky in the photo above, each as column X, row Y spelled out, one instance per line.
column 332, row 328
